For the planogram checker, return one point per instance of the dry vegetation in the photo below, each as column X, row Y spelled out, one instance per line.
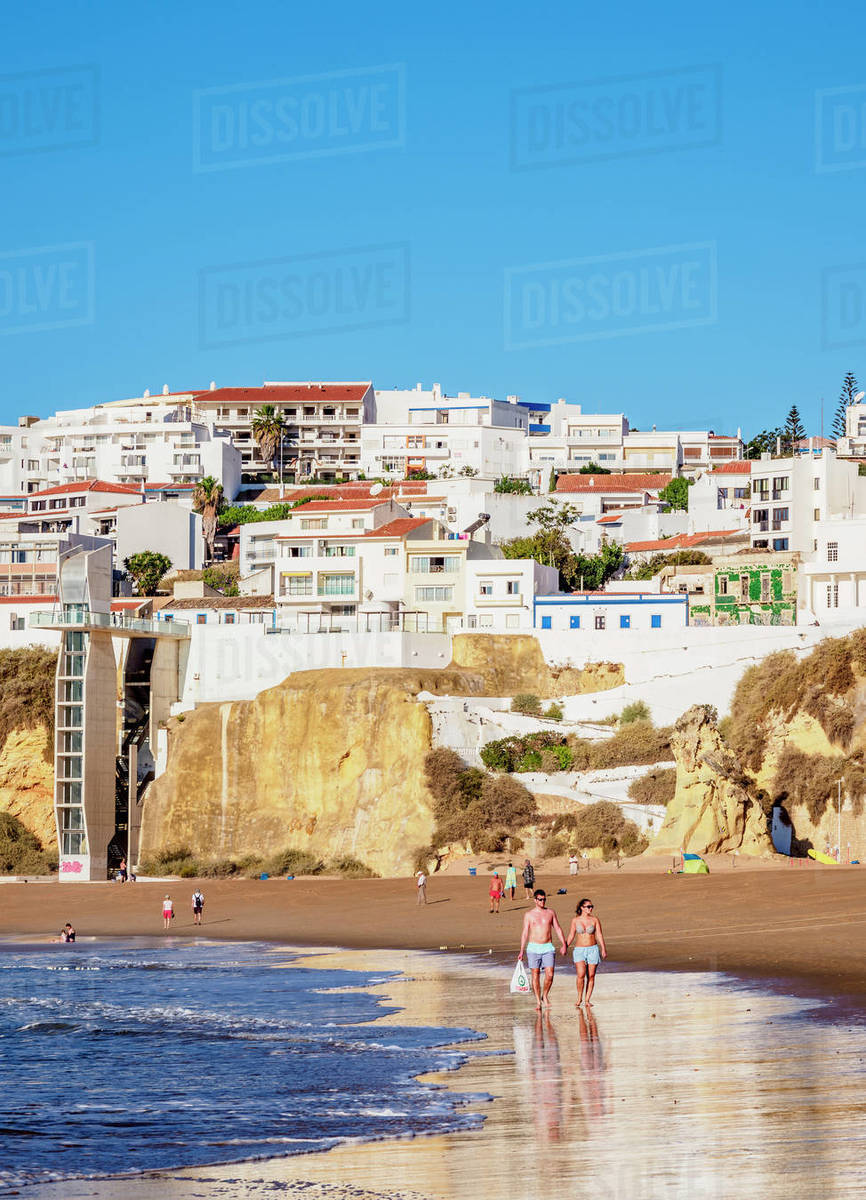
column 811, row 779
column 656, row 787
column 21, row 852
column 634, row 744
column 470, row 805
column 180, row 860
column 27, row 692
column 600, row 825
column 782, row 684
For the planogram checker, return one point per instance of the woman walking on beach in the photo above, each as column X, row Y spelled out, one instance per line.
column 167, row 911
column 589, row 947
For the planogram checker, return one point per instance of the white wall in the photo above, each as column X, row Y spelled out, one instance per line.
column 236, row 662
column 163, row 526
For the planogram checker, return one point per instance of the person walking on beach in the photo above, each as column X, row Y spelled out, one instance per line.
column 589, row 947
column 197, row 906
column 539, row 926
column 528, row 879
column 421, row 881
column 495, row 892
column 511, row 879
column 167, row 911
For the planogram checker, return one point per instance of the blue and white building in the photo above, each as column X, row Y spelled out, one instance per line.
column 610, row 612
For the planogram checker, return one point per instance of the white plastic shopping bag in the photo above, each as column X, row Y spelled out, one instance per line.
column 520, row 980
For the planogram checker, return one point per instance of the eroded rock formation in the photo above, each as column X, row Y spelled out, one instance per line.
column 331, row 762
column 27, row 782
column 510, row 664
column 711, row 811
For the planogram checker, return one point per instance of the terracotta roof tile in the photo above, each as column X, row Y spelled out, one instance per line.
column 612, row 483
column 88, row 485
column 739, row 466
column 397, row 528
column 288, row 393
column 684, row 541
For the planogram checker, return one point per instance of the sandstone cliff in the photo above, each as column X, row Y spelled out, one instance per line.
column 331, row 762
column 711, row 811
column 509, row 665
column 27, row 782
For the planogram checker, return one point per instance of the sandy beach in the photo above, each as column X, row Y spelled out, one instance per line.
column 673, row 1085
column 806, row 925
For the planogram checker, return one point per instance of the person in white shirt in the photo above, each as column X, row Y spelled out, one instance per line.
column 573, row 864
column 197, row 906
column 421, row 881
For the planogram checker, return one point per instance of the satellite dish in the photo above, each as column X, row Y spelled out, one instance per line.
column 375, row 489
column 859, row 397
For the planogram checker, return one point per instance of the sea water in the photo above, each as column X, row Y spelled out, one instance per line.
column 121, row 1057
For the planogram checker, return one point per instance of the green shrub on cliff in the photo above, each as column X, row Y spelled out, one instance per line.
column 27, row 692
column 21, row 851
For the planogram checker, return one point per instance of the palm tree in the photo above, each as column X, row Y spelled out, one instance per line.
column 207, row 499
column 268, row 428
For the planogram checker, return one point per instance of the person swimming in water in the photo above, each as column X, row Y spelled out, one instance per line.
column 589, row 947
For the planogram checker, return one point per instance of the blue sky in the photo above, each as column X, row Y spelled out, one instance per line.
column 650, row 209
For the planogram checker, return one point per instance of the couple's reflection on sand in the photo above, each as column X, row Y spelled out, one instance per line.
column 562, row 1066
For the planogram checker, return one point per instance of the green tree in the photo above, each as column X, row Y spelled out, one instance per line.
column 551, row 483
column 679, row 558
column 518, row 487
column 764, row 442
column 794, row 431
column 147, row 569
column 676, row 494
column 268, row 428
column 593, row 469
column 590, row 572
column 207, row 499
column 553, row 514
column 850, row 388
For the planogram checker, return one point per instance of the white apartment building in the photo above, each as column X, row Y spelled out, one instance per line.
column 833, row 578
column 322, row 426
column 792, row 496
column 853, row 444
column 141, row 441
column 501, row 593
column 357, row 560
column 427, row 431
column 720, row 498
column 26, row 461
column 564, row 438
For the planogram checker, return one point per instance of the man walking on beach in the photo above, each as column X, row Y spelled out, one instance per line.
column 421, row 881
column 528, row 879
column 539, row 925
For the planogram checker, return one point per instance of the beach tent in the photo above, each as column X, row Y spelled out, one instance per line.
column 693, row 864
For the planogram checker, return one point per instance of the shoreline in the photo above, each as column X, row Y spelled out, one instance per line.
column 759, row 923
column 541, row 1086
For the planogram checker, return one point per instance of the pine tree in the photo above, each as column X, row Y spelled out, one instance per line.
column 794, row 431
column 850, row 389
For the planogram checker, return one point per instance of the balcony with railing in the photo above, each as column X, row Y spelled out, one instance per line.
column 117, row 623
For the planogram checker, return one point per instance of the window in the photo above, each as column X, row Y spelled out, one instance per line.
column 228, row 618
column 316, row 523
column 357, row 522
column 339, row 551
column 745, row 583
column 816, row 485
column 435, row 594
column 599, row 622
column 512, row 587
column 625, row 621
column 574, row 622
column 816, row 514
column 545, row 622
column 16, row 623
column 434, row 564
column 201, row 618
column 780, row 483
column 722, row 585
column 780, row 543
column 832, row 552
column 814, row 545
column 297, row 585
column 389, row 550
column 336, row 585
column 832, row 595
column 485, row 589
column 297, row 552
column 765, row 587
column 656, row 619
column 780, row 515
column 512, row 621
